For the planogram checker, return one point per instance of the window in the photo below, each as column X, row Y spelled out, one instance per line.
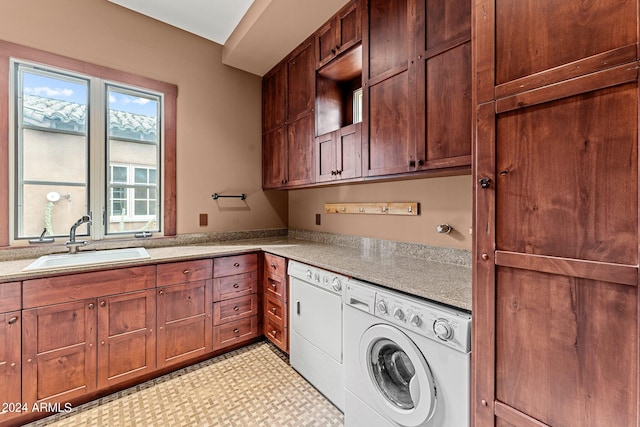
column 86, row 145
column 357, row 105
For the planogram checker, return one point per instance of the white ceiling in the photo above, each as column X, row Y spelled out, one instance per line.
column 255, row 34
column 211, row 19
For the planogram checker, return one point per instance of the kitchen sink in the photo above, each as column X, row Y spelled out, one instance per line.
column 87, row 258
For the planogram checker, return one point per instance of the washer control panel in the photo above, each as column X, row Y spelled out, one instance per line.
column 446, row 325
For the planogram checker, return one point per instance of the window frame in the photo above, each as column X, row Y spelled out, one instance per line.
column 9, row 51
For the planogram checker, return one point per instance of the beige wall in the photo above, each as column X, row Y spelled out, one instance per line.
column 219, row 125
column 442, row 200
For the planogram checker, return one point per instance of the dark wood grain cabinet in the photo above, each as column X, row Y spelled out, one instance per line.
column 288, row 120
column 10, row 356
column 388, row 135
column 184, row 295
column 341, row 32
column 275, row 307
column 338, row 154
column 86, row 331
column 556, row 200
column 236, row 301
column 417, row 73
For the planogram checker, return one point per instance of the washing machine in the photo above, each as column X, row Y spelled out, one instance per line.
column 407, row 361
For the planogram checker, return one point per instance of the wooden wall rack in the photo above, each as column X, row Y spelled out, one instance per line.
column 403, row 208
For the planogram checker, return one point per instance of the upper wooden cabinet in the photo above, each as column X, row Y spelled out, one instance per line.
column 417, row 72
column 388, row 136
column 341, row 32
column 337, row 154
column 301, row 92
column 443, row 84
column 289, row 130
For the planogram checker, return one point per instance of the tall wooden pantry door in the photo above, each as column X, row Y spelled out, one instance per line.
column 556, row 213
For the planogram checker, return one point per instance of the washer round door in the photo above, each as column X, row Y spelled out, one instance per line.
column 401, row 381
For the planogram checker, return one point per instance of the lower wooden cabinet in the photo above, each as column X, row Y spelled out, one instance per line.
column 275, row 296
column 104, row 336
column 10, row 361
column 235, row 306
column 184, row 311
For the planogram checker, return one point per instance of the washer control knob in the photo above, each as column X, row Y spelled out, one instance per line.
column 398, row 313
column 337, row 284
column 443, row 329
column 382, row 307
column 415, row 320
column 309, row 274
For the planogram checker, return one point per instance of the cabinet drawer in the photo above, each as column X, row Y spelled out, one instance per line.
column 10, row 297
column 235, row 332
column 276, row 287
column 184, row 272
column 235, row 286
column 227, row 266
column 276, row 333
column 274, row 266
column 275, row 310
column 234, row 309
column 78, row 287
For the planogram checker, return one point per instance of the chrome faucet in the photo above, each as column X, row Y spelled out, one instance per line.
column 72, row 244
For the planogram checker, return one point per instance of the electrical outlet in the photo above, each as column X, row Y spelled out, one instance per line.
column 318, row 219
column 204, row 220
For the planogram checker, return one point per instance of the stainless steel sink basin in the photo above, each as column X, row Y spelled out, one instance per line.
column 87, row 258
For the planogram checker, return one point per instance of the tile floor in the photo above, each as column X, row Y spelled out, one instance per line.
column 251, row 386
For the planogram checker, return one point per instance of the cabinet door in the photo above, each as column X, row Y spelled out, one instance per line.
column 348, row 26
column 326, row 43
column 274, row 98
column 126, row 337
column 301, row 82
column 300, row 137
column 274, row 158
column 59, row 352
column 325, row 156
column 536, row 36
column 387, row 99
column 443, row 84
column 348, row 152
column 390, row 146
column 10, row 366
column 184, row 322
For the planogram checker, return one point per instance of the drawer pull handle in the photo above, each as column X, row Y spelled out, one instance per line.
column 274, row 333
column 91, row 306
column 235, row 264
column 236, row 330
column 274, row 285
column 273, row 265
column 186, row 272
column 13, row 320
column 274, row 310
column 236, row 308
column 103, row 303
column 236, row 286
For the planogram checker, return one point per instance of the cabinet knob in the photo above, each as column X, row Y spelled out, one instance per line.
column 236, row 330
column 333, row 51
column 273, row 265
column 91, row 305
column 13, row 320
column 274, row 310
column 236, row 286
column 412, row 163
column 161, row 293
column 236, row 308
column 420, row 162
column 235, row 264
column 186, row 272
column 485, row 182
column 103, row 303
column 485, row 256
column 274, row 286
column 274, row 333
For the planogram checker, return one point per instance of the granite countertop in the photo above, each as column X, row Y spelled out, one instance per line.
column 437, row 281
